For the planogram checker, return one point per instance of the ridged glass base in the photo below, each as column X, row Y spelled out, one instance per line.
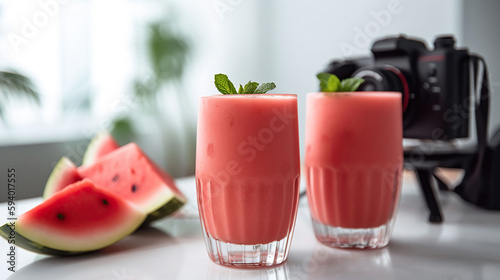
column 247, row 256
column 365, row 238
column 218, row 272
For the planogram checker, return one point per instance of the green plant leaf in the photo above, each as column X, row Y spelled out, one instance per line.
column 328, row 82
column 350, row 84
column 333, row 83
column 122, row 130
column 250, row 87
column 224, row 85
column 323, row 80
column 265, row 87
column 14, row 84
column 168, row 51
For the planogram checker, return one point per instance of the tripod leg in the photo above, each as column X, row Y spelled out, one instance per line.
column 441, row 184
column 424, row 177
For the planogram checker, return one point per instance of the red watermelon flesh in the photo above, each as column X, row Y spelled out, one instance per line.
column 80, row 218
column 130, row 174
column 102, row 144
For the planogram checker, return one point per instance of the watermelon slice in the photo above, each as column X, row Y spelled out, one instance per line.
column 130, row 174
column 64, row 174
column 80, row 218
column 103, row 143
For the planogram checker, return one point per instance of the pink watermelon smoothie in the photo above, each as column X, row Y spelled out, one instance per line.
column 248, row 167
column 354, row 157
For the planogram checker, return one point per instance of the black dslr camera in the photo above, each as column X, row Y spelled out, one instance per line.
column 437, row 104
column 434, row 83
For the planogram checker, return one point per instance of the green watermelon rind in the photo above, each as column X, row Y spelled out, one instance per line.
column 39, row 237
column 63, row 165
column 90, row 154
column 23, row 242
column 173, row 204
column 163, row 201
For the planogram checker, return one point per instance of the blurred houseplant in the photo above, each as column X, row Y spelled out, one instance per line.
column 15, row 86
column 167, row 53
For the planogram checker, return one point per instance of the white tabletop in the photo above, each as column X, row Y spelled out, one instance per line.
column 465, row 246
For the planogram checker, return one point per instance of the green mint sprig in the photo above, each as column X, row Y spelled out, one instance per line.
column 331, row 83
column 225, row 86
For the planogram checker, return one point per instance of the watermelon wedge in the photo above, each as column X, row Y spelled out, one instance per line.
column 130, row 174
column 63, row 174
column 103, row 143
column 158, row 195
column 80, row 218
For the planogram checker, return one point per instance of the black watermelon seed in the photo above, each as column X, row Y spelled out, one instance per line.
column 115, row 178
column 134, row 188
column 105, row 202
column 60, row 216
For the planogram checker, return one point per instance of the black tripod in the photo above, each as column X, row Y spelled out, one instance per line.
column 474, row 185
column 425, row 168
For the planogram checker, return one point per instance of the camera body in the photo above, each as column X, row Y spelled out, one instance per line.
column 434, row 83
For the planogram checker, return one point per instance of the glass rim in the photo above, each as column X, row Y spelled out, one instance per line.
column 356, row 93
column 251, row 95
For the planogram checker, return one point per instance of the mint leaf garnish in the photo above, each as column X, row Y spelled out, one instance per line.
column 350, row 84
column 265, row 87
column 224, row 85
column 250, row 87
column 328, row 82
column 331, row 83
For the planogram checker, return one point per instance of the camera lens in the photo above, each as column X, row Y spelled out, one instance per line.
column 387, row 78
column 368, row 86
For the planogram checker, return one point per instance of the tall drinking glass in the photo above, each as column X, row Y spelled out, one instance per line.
column 247, row 177
column 354, row 158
